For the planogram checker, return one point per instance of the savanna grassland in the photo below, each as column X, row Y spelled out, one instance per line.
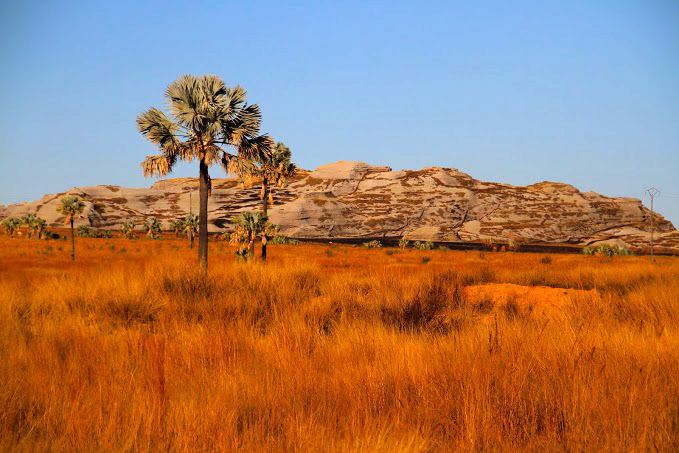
column 334, row 348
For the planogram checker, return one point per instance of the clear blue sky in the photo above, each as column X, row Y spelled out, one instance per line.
column 584, row 92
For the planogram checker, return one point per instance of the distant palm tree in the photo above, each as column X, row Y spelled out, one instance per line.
column 177, row 225
column 71, row 206
column 249, row 225
column 206, row 117
column 11, row 224
column 190, row 227
column 152, row 227
column 29, row 220
column 39, row 227
column 272, row 165
column 127, row 229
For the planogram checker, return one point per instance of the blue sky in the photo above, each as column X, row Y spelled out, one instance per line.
column 519, row 92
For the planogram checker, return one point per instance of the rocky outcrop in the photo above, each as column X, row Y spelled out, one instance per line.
column 353, row 199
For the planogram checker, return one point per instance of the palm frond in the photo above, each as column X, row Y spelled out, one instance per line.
column 186, row 102
column 254, row 148
column 244, row 125
column 158, row 165
column 158, row 129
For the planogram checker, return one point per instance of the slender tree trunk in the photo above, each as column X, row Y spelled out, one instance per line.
column 72, row 242
column 202, row 216
column 265, row 209
column 251, row 251
column 191, row 239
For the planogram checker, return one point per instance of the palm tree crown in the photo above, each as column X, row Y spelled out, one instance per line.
column 152, row 226
column 71, row 207
column 206, row 118
column 272, row 165
column 11, row 224
column 127, row 228
column 29, row 220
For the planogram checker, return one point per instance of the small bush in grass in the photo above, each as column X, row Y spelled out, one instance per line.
column 546, row 260
column 372, row 245
column 280, row 239
column 423, row 245
column 426, row 259
column 607, row 250
column 403, row 243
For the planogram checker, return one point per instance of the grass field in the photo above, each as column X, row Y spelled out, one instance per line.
column 334, row 348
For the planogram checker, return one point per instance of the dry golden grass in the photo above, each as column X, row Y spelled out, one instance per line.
column 331, row 348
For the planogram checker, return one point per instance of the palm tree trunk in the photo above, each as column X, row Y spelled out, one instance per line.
column 251, row 251
column 265, row 209
column 72, row 242
column 191, row 239
column 202, row 217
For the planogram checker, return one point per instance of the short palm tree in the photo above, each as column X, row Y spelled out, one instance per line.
column 71, row 207
column 127, row 228
column 152, row 227
column 39, row 227
column 273, row 167
column 11, row 224
column 190, row 227
column 29, row 220
column 249, row 225
column 177, row 225
column 206, row 118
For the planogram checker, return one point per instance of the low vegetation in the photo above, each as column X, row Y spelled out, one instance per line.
column 335, row 348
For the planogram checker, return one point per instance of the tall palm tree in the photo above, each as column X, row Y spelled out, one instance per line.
column 190, row 227
column 29, row 220
column 127, row 229
column 71, row 206
column 11, row 224
column 272, row 165
column 152, row 226
column 207, row 118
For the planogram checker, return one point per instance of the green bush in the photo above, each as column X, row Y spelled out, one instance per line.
column 280, row 239
column 607, row 250
column 423, row 245
column 372, row 244
column 403, row 243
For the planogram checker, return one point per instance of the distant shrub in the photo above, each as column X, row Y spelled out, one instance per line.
column 403, row 243
column 546, row 260
column 372, row 244
column 423, row 245
column 85, row 232
column 443, row 247
column 607, row 250
column 426, row 259
column 280, row 239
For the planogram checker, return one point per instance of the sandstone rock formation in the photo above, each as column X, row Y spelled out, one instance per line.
column 353, row 199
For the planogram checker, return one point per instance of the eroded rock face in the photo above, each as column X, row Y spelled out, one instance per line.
column 354, row 199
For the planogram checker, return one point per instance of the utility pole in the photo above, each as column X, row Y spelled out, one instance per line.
column 652, row 192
